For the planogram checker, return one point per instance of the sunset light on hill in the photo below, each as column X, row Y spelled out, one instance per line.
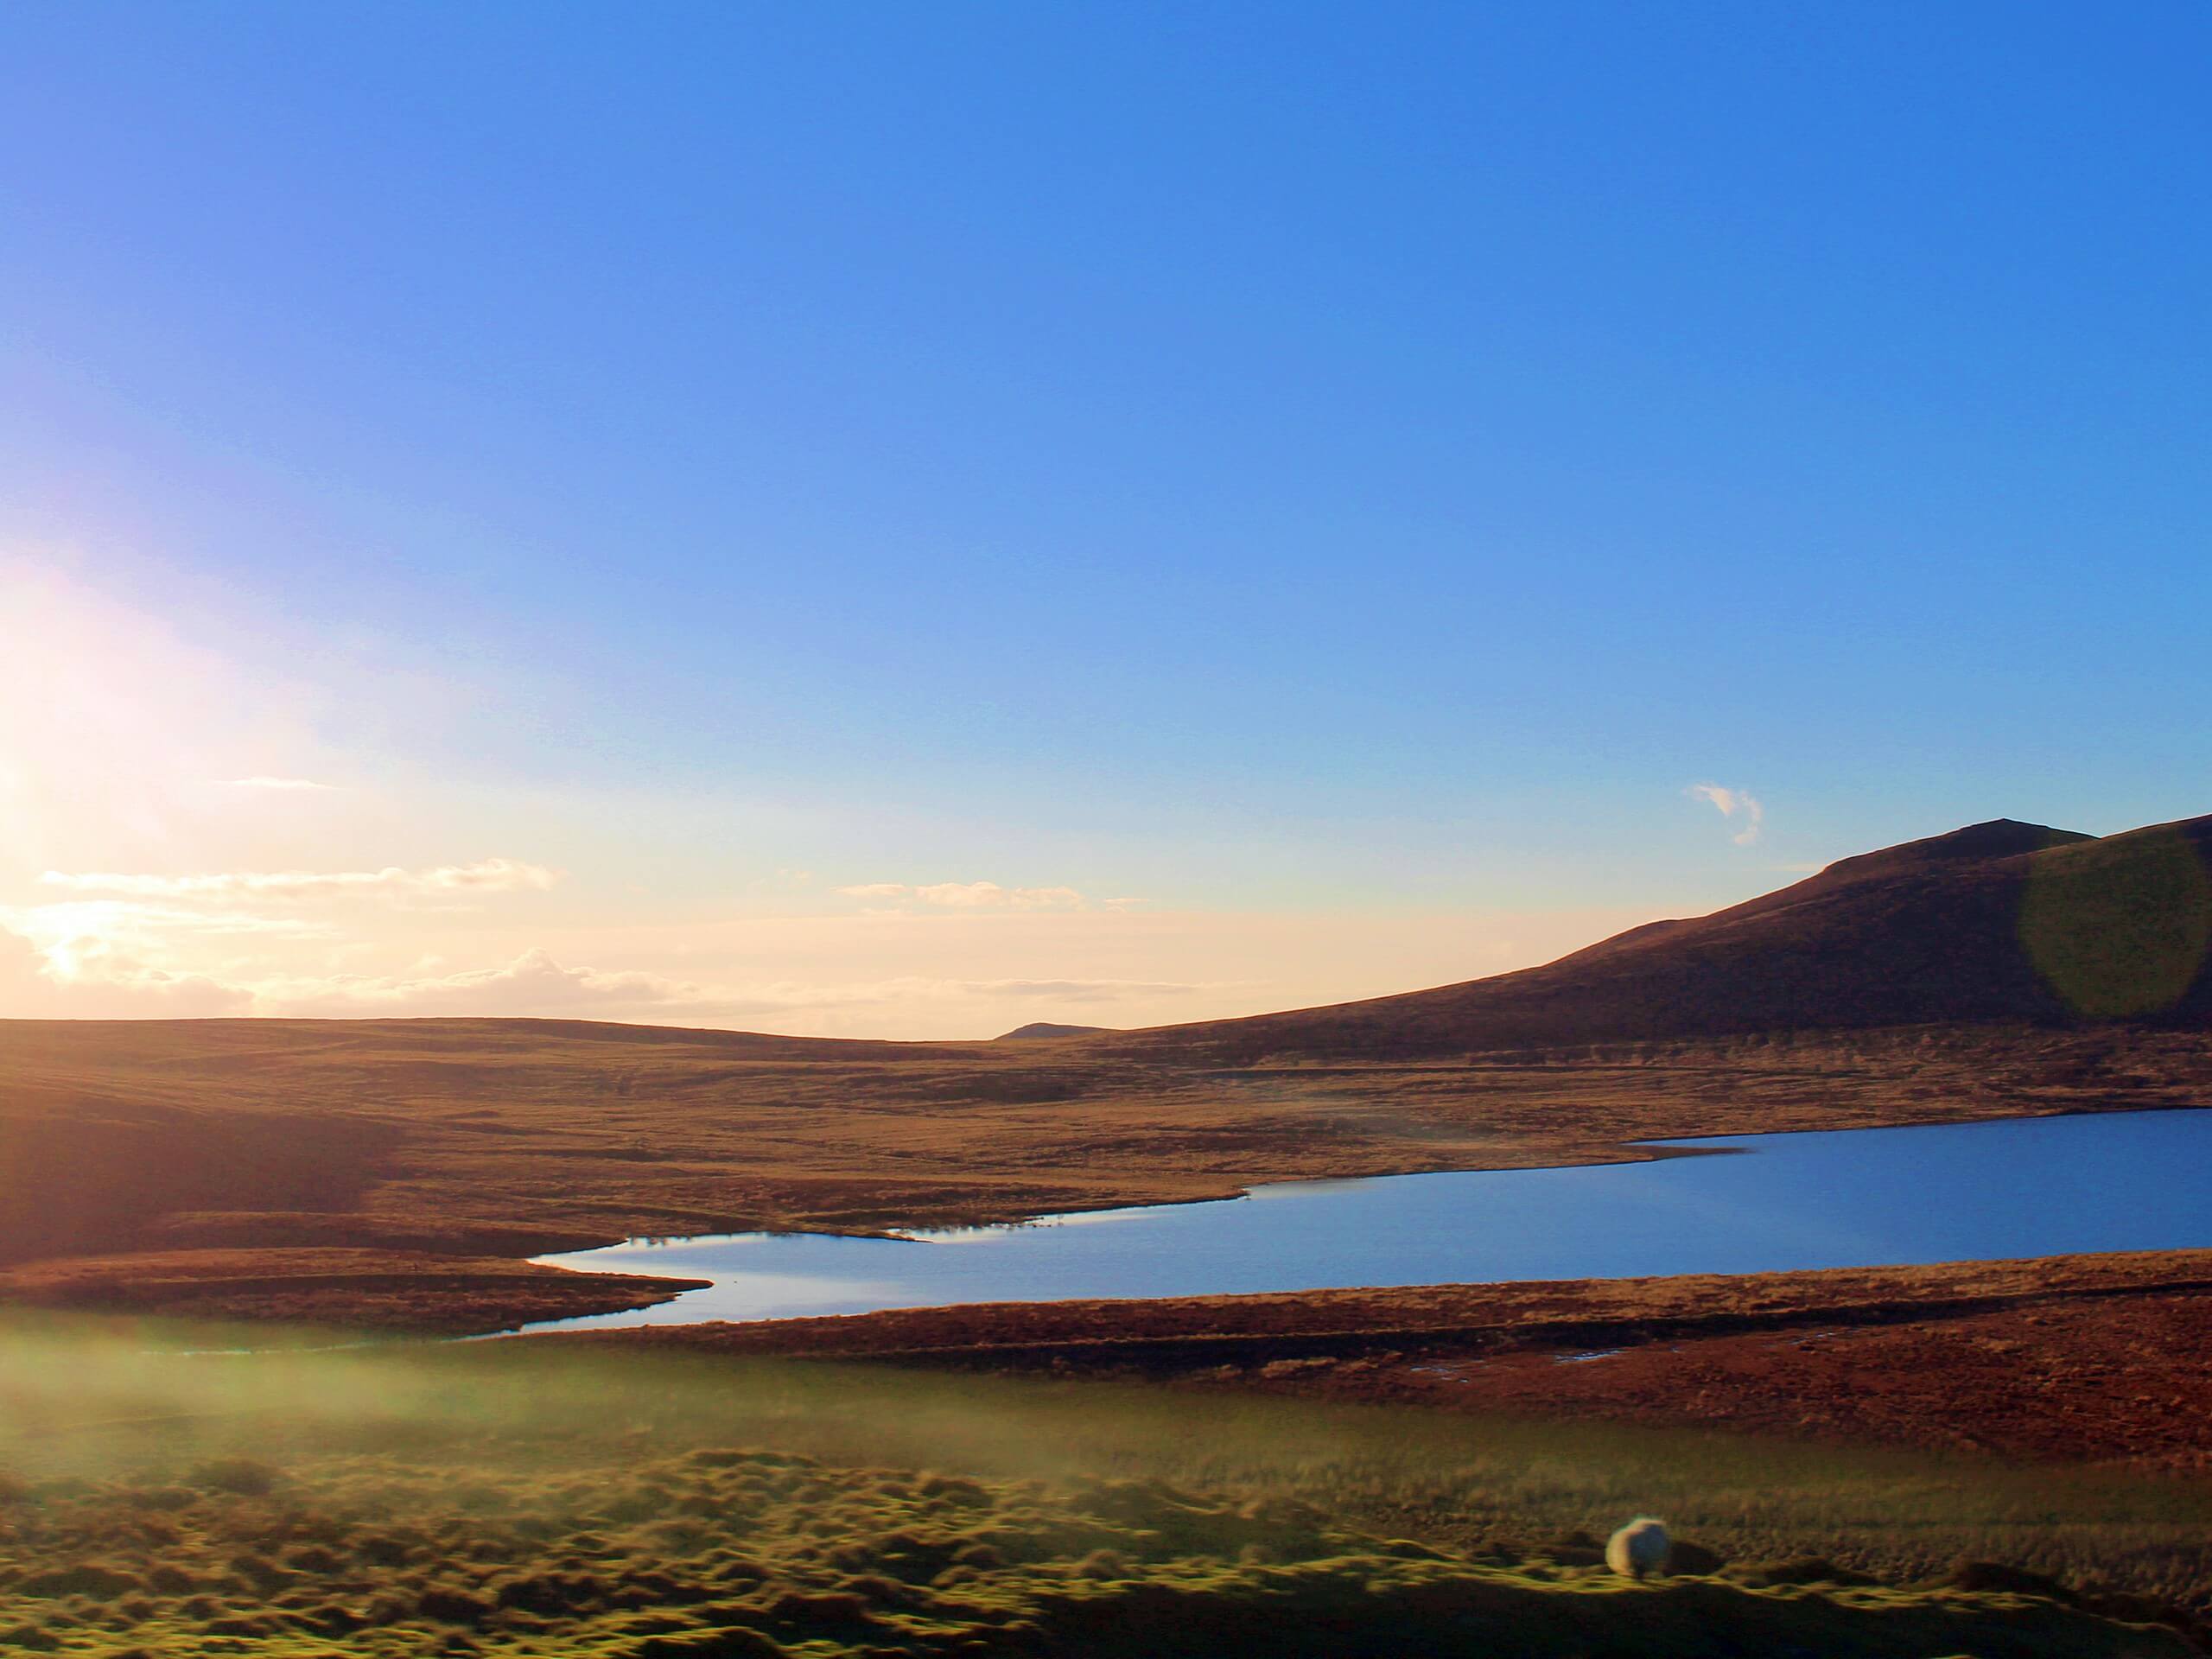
column 986, row 830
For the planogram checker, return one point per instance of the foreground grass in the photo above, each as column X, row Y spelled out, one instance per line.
column 499, row 1499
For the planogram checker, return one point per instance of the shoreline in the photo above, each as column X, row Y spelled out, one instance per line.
column 404, row 1180
column 422, row 1293
column 907, row 1232
column 2071, row 1358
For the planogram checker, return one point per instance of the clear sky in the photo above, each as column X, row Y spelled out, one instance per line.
column 902, row 520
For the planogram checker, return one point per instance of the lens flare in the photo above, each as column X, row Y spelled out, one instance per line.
column 2121, row 926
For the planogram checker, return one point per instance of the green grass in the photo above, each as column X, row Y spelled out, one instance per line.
column 500, row 1500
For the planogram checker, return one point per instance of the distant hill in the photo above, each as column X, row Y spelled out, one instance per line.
column 323, row 1169
column 1038, row 1028
column 1999, row 921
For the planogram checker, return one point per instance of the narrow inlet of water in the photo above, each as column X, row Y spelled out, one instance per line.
column 1768, row 1203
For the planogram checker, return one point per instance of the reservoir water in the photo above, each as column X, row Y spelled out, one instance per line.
column 1737, row 1204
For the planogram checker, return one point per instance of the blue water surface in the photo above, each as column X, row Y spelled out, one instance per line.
column 1736, row 1204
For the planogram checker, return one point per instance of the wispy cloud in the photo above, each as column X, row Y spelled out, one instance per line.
column 533, row 984
column 445, row 880
column 287, row 784
column 143, row 919
column 1078, row 990
column 970, row 895
column 84, row 976
column 536, row 983
column 1734, row 804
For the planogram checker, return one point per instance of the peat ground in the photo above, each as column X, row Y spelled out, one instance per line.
column 2084, row 1358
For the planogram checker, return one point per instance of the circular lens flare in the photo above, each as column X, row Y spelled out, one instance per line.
column 2120, row 927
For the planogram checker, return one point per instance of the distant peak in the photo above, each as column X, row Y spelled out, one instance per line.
column 1044, row 1029
column 1974, row 843
column 2004, row 837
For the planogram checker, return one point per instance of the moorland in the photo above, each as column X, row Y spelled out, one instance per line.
column 402, row 1172
column 397, row 1177
column 503, row 1499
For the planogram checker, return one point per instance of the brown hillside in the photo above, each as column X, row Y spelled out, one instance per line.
column 1998, row 922
column 1969, row 977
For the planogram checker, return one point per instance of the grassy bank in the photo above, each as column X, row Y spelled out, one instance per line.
column 494, row 1499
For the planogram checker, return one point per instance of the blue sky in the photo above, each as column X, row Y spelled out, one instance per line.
column 1263, row 461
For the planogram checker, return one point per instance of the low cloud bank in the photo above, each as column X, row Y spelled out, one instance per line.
column 106, row 985
column 535, row 983
column 81, row 980
column 971, row 895
column 488, row 875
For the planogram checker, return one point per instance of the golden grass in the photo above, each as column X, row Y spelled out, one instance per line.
column 503, row 1498
column 275, row 1143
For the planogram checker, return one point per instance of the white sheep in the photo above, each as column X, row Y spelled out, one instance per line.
column 1640, row 1548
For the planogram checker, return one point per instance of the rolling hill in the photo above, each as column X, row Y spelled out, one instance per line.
column 398, row 1169
column 2001, row 921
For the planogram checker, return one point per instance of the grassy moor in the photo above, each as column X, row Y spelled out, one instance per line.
column 1237, row 760
column 1993, row 1458
column 500, row 1501
column 399, row 1173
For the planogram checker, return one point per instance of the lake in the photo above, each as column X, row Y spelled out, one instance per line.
column 1737, row 1203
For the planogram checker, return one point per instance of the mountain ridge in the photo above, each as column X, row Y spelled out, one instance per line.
column 2002, row 920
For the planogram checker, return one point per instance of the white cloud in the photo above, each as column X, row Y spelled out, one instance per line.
column 86, row 976
column 971, row 895
column 533, row 984
column 964, row 895
column 132, row 921
column 97, row 983
column 1723, row 798
column 89, row 977
column 1079, row 990
column 289, row 784
column 1046, row 898
column 488, row 875
column 1732, row 804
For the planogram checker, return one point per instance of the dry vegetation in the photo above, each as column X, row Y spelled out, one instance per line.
column 505, row 1499
column 1956, row 978
column 2083, row 1359
column 262, row 1147
column 405, row 1290
column 591, row 1497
